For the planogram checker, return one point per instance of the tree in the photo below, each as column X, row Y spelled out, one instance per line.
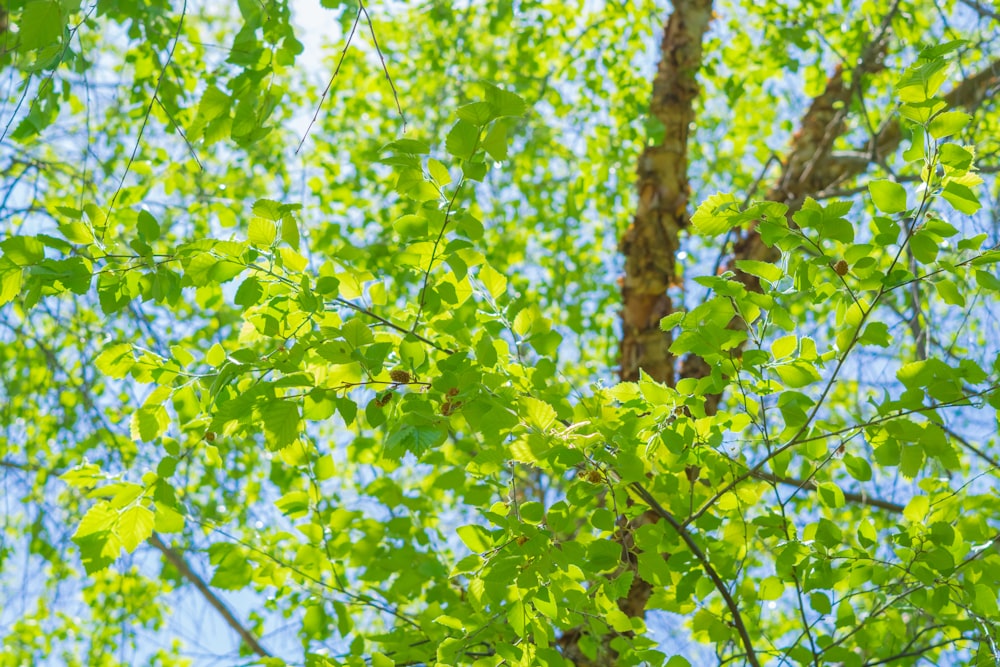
column 329, row 352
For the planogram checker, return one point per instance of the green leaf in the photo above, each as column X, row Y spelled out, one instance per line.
column 765, row 270
column 716, row 215
column 911, row 460
column 924, row 247
column 281, row 422
column 538, row 414
column 797, row 374
column 955, row 157
column 922, row 80
column 438, row 172
column 115, row 360
column 858, row 468
column 149, row 229
column 448, row 622
column 462, row 140
column 99, row 518
column 475, row 537
column 672, row 320
column 961, row 198
column 477, row 113
column 770, row 588
column 410, row 146
column 411, row 226
column 10, row 280
column 505, row 103
column 41, row 24
column 888, row 197
column 149, row 423
column 948, row 291
column 784, row 346
column 494, row 281
column 290, row 231
column 268, row 209
column 948, row 123
column 821, row 603
column 830, row 495
column 263, row 232
column 135, row 526
column 294, row 504
column 232, row 569
column 495, row 142
column 415, row 439
column 23, row 250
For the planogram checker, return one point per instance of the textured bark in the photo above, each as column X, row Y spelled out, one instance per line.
column 651, row 241
column 812, row 168
column 649, row 246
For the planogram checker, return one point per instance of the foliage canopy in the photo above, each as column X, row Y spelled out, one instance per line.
column 311, row 321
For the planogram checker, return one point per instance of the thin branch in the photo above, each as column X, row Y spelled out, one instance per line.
column 177, row 560
column 971, row 447
column 851, row 497
column 180, row 131
column 979, row 8
column 914, row 653
column 336, row 71
column 145, row 118
column 391, row 325
column 437, row 241
column 801, row 440
column 381, row 57
column 706, row 565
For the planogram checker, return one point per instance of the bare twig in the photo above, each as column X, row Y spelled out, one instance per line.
column 336, row 71
column 145, row 118
column 381, row 57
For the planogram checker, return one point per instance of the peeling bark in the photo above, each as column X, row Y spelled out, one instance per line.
column 651, row 241
column 811, row 167
column 649, row 246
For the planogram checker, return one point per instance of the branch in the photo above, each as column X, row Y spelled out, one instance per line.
column 807, row 169
column 177, row 560
column 982, row 10
column 333, row 77
column 145, row 119
column 720, row 586
column 810, row 485
column 800, row 440
column 649, row 248
column 811, row 168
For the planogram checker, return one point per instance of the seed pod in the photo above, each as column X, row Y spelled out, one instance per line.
column 399, row 376
column 841, row 268
column 209, row 436
column 453, row 391
column 383, row 397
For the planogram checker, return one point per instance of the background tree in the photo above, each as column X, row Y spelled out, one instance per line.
column 329, row 357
